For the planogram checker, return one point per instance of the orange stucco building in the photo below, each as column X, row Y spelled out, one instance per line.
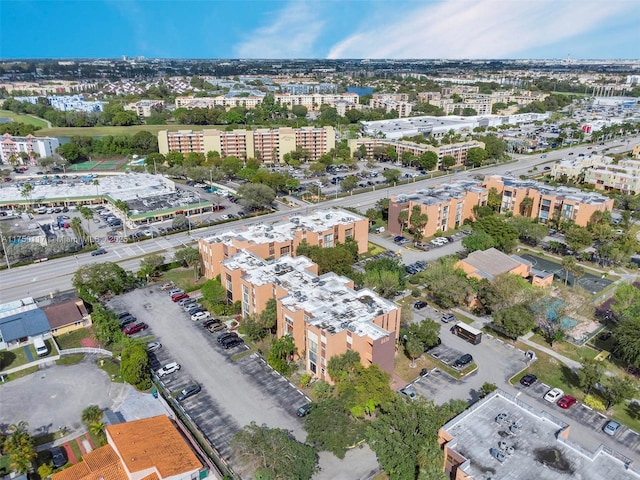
column 490, row 263
column 324, row 228
column 565, row 202
column 324, row 314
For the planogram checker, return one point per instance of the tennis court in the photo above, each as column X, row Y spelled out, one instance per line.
column 109, row 165
column 82, row 166
column 591, row 283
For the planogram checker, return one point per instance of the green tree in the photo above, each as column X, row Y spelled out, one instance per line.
column 20, row 447
column 231, row 166
column 618, row 389
column 627, row 335
column 478, row 240
column 570, row 265
column 529, row 230
column 91, row 414
column 414, row 348
column 385, row 283
column 392, row 175
column 505, row 290
column 213, row 292
column 426, row 332
column 349, row 183
column 150, row 265
column 515, row 320
column 577, row 238
column 299, row 111
column 98, row 279
column 256, row 196
column 589, row 374
column 274, row 454
column 135, row 367
column 341, row 366
column 504, row 235
column 449, row 286
column 428, row 160
column 180, row 222
column 335, row 436
column 189, row 257
column 476, row 156
column 403, row 219
column 418, row 220
column 45, row 470
column 87, row 214
column 447, row 162
column 26, row 192
column 281, row 353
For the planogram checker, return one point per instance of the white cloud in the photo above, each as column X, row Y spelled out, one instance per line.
column 292, row 33
column 478, row 28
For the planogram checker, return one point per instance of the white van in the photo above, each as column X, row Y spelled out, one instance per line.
column 40, row 346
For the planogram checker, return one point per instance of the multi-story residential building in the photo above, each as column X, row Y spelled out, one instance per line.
column 574, row 168
column 495, row 431
column 401, row 107
column 456, row 150
column 323, row 228
column 547, row 202
column 313, row 101
column 227, row 101
column 35, row 147
column 623, row 176
column 150, row 448
column 324, row 314
column 306, row 88
column 68, row 103
column 461, row 89
column 270, row 145
column 145, row 108
column 446, row 206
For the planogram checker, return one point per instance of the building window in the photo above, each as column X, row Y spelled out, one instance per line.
column 272, row 249
column 285, row 250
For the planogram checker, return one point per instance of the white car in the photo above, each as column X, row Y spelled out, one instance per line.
column 199, row 316
column 168, row 369
column 553, row 395
column 224, row 217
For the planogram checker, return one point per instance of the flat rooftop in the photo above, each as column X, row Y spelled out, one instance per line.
column 567, row 193
column 532, row 450
column 327, row 300
column 282, row 231
column 441, row 193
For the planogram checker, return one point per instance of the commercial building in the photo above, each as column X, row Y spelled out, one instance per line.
column 324, row 314
column 151, row 448
column 547, row 202
column 488, row 264
column 270, row 145
column 503, row 437
column 456, row 150
column 145, row 108
column 313, row 101
column 35, row 147
column 323, row 228
column 447, row 206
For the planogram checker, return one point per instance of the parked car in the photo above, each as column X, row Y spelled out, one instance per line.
column 167, row 286
column 124, row 321
column 100, row 251
column 135, row 328
column 185, row 300
column 199, row 316
column 193, row 308
column 178, row 297
column 168, row 369
column 528, row 380
column 190, row 391
column 304, row 410
column 567, row 401
column 58, row 457
column 231, row 342
column 553, row 395
column 153, row 346
column 175, row 290
column 463, row 361
column 216, row 327
column 399, row 238
column 448, row 317
column 420, row 304
column 409, row 392
column 611, row 427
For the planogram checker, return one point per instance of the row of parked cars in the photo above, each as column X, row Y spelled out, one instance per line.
column 129, row 324
column 416, row 267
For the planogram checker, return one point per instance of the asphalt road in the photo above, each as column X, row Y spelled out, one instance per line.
column 47, row 278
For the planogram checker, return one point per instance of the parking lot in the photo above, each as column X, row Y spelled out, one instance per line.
column 234, row 393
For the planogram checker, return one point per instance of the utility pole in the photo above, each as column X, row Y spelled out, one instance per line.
column 4, row 249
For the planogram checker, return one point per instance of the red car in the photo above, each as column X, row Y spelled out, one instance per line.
column 135, row 328
column 566, row 401
column 180, row 296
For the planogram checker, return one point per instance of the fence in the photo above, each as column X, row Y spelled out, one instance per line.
column 87, row 350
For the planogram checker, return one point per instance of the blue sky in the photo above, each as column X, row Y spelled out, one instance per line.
column 320, row 28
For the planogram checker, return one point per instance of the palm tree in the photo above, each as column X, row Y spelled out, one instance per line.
column 92, row 414
column 403, row 216
column 526, row 205
column 97, row 428
column 96, row 182
column 13, row 160
column 570, row 265
column 87, row 214
column 26, row 192
column 20, row 447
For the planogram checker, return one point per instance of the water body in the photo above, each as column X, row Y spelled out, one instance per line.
column 360, row 90
column 5, row 120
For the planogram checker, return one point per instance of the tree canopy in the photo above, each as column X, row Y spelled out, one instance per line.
column 98, row 279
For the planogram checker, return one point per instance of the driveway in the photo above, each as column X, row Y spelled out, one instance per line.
column 56, row 396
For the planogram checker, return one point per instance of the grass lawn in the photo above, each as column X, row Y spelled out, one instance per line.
column 15, row 358
column 567, row 349
column 98, row 440
column 28, row 119
column 463, row 318
column 70, row 359
column 183, row 278
column 22, row 373
column 132, row 130
column 76, row 449
column 4, row 465
column 112, row 367
column 403, row 368
column 72, row 339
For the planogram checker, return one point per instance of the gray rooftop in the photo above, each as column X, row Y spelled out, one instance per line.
column 441, row 193
column 567, row 193
column 536, row 451
column 492, row 262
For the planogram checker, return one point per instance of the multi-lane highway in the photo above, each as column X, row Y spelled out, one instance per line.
column 54, row 276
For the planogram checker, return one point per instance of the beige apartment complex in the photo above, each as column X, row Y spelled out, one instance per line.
column 602, row 173
column 456, row 150
column 313, row 101
column 449, row 205
column 225, row 101
column 324, row 314
column 145, row 108
column 323, row 228
column 270, row 145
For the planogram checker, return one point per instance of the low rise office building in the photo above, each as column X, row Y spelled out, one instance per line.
column 323, row 228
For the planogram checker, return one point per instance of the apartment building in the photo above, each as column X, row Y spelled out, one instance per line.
column 574, row 168
column 323, row 228
column 446, row 206
column 324, row 314
column 270, row 145
column 150, row 448
column 67, row 103
column 547, row 202
column 35, row 147
column 145, row 108
column 456, row 150
column 403, row 108
column 227, row 101
column 495, row 435
column 623, row 176
column 313, row 101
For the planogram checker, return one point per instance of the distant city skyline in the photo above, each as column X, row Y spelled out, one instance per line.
column 281, row 29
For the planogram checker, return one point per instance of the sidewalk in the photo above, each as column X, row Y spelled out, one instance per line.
column 479, row 322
